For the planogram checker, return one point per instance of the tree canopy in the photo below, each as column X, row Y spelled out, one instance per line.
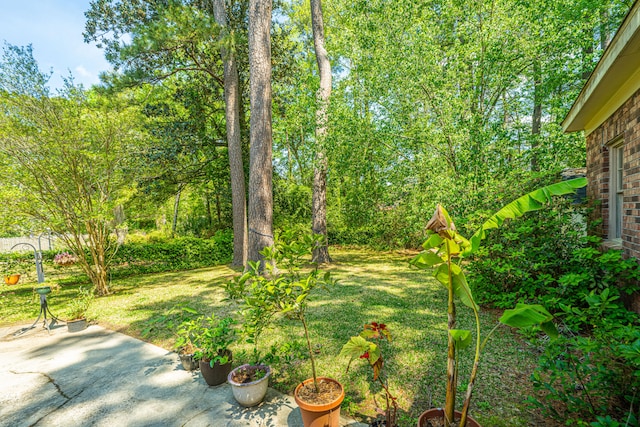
column 429, row 100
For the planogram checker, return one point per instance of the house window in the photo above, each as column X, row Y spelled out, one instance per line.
column 616, row 187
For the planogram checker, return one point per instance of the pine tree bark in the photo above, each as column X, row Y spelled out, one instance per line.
column 260, row 136
column 319, row 197
column 234, row 143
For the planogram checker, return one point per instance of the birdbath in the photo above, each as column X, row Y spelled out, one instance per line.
column 43, row 291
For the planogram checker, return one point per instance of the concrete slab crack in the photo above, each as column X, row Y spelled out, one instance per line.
column 48, row 377
column 52, row 381
column 194, row 417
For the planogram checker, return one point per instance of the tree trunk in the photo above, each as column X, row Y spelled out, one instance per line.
column 536, row 120
column 207, row 210
column 260, row 163
column 176, row 204
column 96, row 266
column 319, row 208
column 218, row 209
column 234, row 143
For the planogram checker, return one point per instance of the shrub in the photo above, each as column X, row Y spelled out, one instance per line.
column 593, row 371
column 547, row 258
column 583, row 378
column 171, row 255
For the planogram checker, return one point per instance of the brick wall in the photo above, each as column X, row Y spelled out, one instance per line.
column 625, row 123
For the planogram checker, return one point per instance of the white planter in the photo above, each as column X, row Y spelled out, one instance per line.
column 249, row 393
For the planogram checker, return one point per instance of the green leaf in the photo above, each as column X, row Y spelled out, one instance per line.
column 532, row 201
column 550, row 329
column 433, row 241
column 355, row 347
column 526, row 315
column 459, row 282
column 426, row 259
column 461, row 337
column 374, row 354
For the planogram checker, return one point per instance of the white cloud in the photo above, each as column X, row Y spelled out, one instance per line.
column 83, row 72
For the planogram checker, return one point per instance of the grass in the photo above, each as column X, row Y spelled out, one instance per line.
column 372, row 286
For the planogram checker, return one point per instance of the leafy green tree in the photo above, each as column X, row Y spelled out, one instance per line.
column 68, row 158
column 451, row 97
column 180, row 38
column 187, row 150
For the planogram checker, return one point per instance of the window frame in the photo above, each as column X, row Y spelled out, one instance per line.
column 616, row 190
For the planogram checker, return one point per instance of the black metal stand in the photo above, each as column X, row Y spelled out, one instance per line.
column 44, row 309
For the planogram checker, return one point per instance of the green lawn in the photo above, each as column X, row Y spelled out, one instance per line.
column 372, row 286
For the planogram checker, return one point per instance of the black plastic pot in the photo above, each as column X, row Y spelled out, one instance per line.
column 216, row 374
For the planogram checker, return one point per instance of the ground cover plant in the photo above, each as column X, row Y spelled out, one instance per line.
column 591, row 374
column 372, row 286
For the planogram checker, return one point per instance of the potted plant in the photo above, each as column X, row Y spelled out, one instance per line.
column 186, row 334
column 364, row 346
column 77, row 310
column 249, row 383
column 444, row 250
column 212, row 339
column 11, row 278
column 281, row 285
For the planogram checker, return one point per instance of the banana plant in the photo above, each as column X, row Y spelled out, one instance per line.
column 444, row 250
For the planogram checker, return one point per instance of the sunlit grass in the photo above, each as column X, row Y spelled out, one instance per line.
column 372, row 286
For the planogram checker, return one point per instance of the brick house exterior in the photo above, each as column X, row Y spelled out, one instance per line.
column 623, row 126
column 608, row 111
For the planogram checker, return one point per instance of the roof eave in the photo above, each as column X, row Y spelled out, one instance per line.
column 615, row 78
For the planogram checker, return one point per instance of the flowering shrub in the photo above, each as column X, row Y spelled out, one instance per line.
column 65, row 258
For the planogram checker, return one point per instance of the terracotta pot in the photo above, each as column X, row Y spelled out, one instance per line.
column 320, row 415
column 217, row 374
column 76, row 325
column 11, row 279
column 436, row 413
column 250, row 393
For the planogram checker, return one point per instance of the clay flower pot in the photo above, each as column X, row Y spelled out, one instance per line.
column 438, row 414
column 327, row 415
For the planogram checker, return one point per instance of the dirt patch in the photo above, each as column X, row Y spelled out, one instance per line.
column 329, row 391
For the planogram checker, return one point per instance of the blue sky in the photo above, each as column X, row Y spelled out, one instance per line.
column 54, row 29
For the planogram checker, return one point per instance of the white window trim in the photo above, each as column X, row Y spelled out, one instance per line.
column 616, row 191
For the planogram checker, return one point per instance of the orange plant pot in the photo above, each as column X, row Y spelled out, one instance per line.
column 320, row 415
column 11, row 279
column 438, row 413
